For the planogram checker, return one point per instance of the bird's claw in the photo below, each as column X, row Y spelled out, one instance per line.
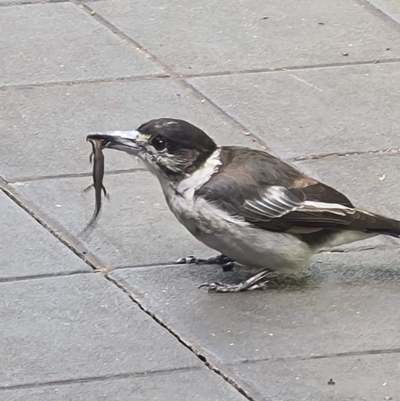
column 186, row 260
column 217, row 287
column 227, row 267
column 257, row 282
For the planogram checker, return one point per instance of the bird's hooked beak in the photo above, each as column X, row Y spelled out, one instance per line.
column 119, row 140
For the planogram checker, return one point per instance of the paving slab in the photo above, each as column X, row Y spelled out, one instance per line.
column 335, row 307
column 197, row 385
column 314, row 111
column 226, row 35
column 78, row 327
column 389, row 7
column 135, row 227
column 44, row 129
column 65, row 48
column 363, row 377
column 28, row 249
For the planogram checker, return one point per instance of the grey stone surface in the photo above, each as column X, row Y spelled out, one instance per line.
column 232, row 35
column 346, row 302
column 71, row 45
column 314, row 111
column 27, row 249
column 389, row 7
column 44, row 129
column 363, row 377
column 77, row 327
column 197, row 385
column 135, row 227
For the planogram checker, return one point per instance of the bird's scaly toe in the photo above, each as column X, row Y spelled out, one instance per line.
column 257, row 282
column 186, row 260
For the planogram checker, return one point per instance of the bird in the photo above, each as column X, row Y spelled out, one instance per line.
column 250, row 206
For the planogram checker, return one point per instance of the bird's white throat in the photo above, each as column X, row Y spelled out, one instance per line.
column 202, row 175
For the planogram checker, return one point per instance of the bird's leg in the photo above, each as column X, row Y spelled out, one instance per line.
column 257, row 282
column 222, row 260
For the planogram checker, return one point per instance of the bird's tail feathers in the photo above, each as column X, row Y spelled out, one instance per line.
column 375, row 223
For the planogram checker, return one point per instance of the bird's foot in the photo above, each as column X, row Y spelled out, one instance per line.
column 257, row 282
column 222, row 260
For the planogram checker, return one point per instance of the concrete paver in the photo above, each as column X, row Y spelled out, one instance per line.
column 78, row 327
column 51, row 123
column 197, row 385
column 69, row 46
column 334, row 308
column 135, row 226
column 232, row 35
column 306, row 112
column 27, row 249
column 361, row 377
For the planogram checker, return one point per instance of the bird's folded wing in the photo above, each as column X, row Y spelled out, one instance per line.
column 285, row 208
column 278, row 208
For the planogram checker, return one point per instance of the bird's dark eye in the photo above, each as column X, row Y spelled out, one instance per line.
column 158, row 142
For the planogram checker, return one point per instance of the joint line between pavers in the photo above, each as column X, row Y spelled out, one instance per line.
column 389, row 246
column 322, row 356
column 120, row 284
column 29, row 2
column 99, row 378
column 387, row 151
column 43, row 276
column 83, row 82
column 291, row 68
column 18, row 180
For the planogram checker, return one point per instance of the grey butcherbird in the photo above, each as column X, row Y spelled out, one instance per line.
column 245, row 203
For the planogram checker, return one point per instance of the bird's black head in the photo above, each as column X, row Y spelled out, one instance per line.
column 168, row 146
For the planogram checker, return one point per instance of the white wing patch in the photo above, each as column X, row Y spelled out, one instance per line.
column 335, row 208
column 278, row 201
